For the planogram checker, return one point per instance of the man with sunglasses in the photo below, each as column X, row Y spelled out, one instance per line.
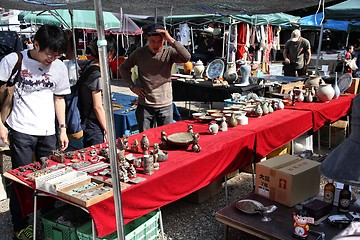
column 38, row 98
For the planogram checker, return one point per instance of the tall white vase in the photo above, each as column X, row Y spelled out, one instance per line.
column 245, row 74
column 336, row 87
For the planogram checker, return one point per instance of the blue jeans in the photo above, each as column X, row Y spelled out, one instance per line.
column 22, row 147
column 148, row 117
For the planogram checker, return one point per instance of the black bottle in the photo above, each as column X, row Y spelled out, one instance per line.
column 344, row 199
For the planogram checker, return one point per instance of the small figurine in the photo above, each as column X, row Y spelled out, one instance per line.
column 156, row 152
column 132, row 171
column 190, row 128
column 196, row 147
column 163, row 143
column 301, row 226
column 135, row 146
column 223, row 125
column 145, row 144
column 125, row 141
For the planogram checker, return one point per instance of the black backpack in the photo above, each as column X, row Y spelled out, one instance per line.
column 9, row 42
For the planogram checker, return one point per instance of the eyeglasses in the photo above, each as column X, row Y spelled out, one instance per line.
column 51, row 55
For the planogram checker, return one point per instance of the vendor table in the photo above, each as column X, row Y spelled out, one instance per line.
column 124, row 114
column 278, row 128
column 330, row 63
column 184, row 173
column 204, row 91
column 326, row 112
column 280, row 227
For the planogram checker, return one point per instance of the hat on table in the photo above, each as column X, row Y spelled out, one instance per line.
column 151, row 30
column 295, row 35
column 343, row 163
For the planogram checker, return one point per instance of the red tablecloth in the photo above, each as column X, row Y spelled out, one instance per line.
column 326, row 112
column 186, row 171
column 278, row 128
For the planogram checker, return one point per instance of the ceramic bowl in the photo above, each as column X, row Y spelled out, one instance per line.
column 227, row 111
column 211, row 111
column 196, row 115
column 237, row 107
column 239, row 113
column 217, row 114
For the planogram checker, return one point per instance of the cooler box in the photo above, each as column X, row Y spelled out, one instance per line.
column 287, row 179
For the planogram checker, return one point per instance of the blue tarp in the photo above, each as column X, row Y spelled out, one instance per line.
column 314, row 21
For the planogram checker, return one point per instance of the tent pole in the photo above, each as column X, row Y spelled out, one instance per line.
column 192, row 40
column 319, row 49
column 71, row 12
column 105, row 80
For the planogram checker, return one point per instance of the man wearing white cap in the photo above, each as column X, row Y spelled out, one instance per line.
column 297, row 54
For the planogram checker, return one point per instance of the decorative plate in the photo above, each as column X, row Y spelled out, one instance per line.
column 249, row 206
column 344, row 82
column 215, row 69
column 181, row 139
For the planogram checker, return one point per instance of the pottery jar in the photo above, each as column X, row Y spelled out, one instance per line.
column 199, row 69
column 313, row 81
column 325, row 92
column 213, row 128
column 243, row 119
column 233, row 122
column 231, row 75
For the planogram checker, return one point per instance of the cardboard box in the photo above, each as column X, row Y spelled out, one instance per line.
column 206, row 192
column 338, row 133
column 287, row 179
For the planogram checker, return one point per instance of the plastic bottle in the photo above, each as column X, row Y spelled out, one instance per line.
column 344, row 199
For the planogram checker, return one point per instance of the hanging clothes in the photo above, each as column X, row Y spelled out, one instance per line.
column 269, row 41
column 184, row 31
column 241, row 41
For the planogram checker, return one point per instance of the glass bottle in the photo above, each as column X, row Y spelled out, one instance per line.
column 329, row 192
column 344, row 199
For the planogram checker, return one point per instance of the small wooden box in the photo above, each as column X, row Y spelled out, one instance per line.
column 75, row 198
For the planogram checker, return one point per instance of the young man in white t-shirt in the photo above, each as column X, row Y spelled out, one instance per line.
column 38, row 98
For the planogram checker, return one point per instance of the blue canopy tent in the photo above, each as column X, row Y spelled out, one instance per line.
column 314, row 22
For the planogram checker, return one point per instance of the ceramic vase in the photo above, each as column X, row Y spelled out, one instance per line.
column 313, row 81
column 230, row 74
column 245, row 74
column 336, row 88
column 145, row 144
column 325, row 92
column 199, row 69
column 233, row 122
column 213, row 128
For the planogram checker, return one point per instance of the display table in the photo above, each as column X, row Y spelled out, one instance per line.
column 124, row 119
column 184, row 173
column 332, row 63
column 326, row 112
column 278, row 128
column 280, row 227
column 205, row 92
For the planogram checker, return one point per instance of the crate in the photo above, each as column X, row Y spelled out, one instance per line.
column 61, row 223
column 143, row 228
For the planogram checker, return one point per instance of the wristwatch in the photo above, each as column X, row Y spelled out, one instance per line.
column 63, row 125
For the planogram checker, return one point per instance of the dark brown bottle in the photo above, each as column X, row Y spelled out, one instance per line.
column 344, row 199
column 329, row 192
